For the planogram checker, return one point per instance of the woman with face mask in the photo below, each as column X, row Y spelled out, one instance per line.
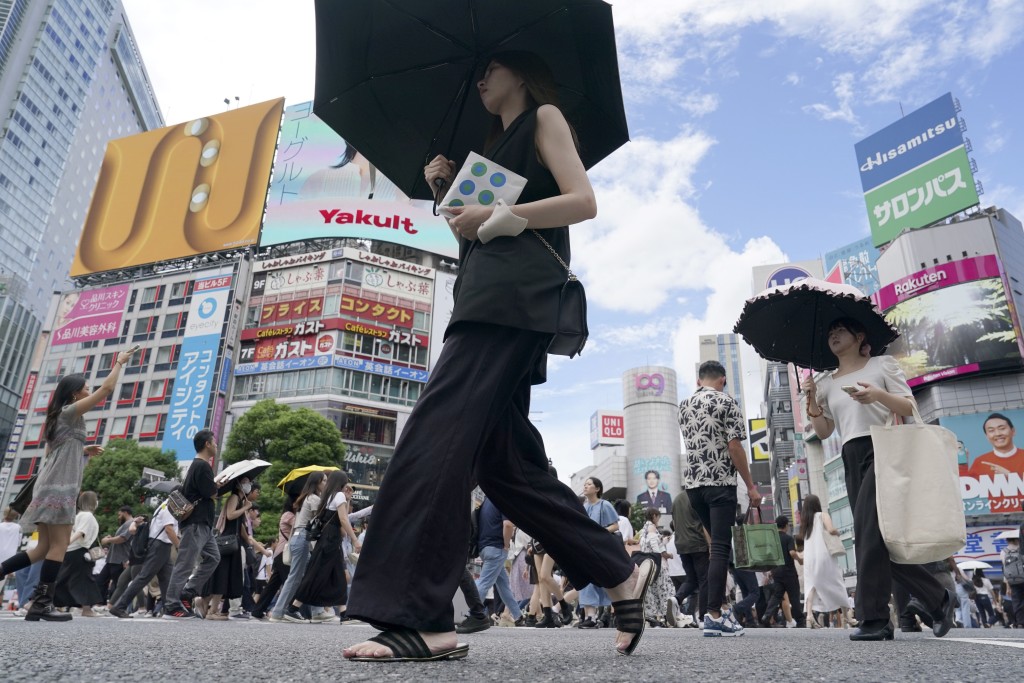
column 226, row 581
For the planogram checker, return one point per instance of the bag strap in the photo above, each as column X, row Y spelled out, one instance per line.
column 555, row 254
column 753, row 514
column 896, row 419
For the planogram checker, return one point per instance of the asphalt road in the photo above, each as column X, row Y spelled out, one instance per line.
column 107, row 649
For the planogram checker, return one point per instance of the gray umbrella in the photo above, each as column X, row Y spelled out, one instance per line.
column 165, row 486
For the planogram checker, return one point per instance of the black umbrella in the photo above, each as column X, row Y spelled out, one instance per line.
column 397, row 78
column 165, row 486
column 789, row 323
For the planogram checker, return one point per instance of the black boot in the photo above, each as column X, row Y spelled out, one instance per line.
column 549, row 620
column 42, row 606
column 565, row 613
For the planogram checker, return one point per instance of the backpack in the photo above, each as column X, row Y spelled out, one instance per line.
column 139, row 543
column 474, row 534
column 1013, row 566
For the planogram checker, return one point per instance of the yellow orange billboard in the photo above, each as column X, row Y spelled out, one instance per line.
column 175, row 192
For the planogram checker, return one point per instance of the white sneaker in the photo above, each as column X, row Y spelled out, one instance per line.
column 791, row 623
column 21, row 612
column 324, row 617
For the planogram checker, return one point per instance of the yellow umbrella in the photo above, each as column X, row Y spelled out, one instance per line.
column 301, row 472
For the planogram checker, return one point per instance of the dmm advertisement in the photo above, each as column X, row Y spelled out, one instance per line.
column 991, row 462
column 954, row 319
column 183, row 190
column 323, row 187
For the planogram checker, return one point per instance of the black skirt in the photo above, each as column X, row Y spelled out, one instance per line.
column 324, row 583
column 226, row 580
column 75, row 585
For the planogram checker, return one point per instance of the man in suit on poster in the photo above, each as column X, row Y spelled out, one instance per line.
column 654, row 496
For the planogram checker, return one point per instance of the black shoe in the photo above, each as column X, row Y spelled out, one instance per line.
column 943, row 620
column 531, row 621
column 472, row 624
column 874, row 630
column 917, row 608
column 565, row 612
column 588, row 623
column 119, row 613
column 521, row 621
column 42, row 606
column 549, row 620
column 910, row 627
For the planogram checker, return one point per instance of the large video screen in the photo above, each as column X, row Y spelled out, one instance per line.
column 954, row 319
column 175, row 192
column 324, row 188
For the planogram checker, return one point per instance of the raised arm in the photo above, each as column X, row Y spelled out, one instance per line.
column 107, row 387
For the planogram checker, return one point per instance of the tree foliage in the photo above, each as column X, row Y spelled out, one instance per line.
column 287, row 438
column 115, row 475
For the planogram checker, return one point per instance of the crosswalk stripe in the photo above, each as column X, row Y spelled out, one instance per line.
column 985, row 641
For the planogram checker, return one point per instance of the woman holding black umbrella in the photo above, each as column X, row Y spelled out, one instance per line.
column 471, row 424
column 862, row 392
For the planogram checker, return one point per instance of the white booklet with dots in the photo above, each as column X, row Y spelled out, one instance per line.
column 482, row 182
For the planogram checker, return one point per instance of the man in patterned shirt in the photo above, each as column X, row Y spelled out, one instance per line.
column 713, row 428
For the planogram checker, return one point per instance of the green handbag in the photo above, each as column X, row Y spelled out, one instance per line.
column 756, row 546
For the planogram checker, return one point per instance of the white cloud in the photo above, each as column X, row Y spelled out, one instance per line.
column 842, row 86
column 996, row 137
column 729, row 279
column 792, row 78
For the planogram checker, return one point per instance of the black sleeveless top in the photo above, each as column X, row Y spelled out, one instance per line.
column 514, row 281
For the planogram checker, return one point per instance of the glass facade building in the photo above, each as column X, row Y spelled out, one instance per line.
column 71, row 78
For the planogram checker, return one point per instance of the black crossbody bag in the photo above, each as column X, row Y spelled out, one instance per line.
column 571, row 330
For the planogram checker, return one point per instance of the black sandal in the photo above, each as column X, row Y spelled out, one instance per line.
column 407, row 646
column 629, row 614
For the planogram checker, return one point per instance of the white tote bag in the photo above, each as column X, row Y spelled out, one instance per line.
column 482, row 182
column 920, row 511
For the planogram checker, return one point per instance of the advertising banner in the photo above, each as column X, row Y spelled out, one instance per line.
column 651, row 384
column 984, row 544
column 308, row 276
column 324, row 188
column 311, row 307
column 855, row 264
column 783, row 273
column 193, row 381
column 365, row 309
column 931, row 192
column 918, row 137
column 757, row 431
column 991, row 462
column 89, row 315
column 372, row 367
column 175, row 192
column 954, row 319
column 607, row 428
column 393, row 283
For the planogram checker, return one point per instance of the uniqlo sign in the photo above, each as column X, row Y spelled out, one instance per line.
column 607, row 428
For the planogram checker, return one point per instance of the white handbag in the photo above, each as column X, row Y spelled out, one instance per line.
column 920, row 510
column 480, row 181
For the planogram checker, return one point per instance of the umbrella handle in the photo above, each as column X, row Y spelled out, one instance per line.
column 439, row 184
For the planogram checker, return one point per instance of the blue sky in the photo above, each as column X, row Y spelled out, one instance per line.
column 743, row 117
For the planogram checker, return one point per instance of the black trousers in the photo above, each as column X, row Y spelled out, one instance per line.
column 467, row 584
column 696, row 580
column 786, row 583
column 716, row 507
column 875, row 570
column 156, row 563
column 107, row 578
column 471, row 425
column 278, row 575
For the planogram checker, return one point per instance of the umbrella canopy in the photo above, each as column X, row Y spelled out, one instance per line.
column 165, row 486
column 243, row 468
column 397, row 78
column 971, row 565
column 789, row 323
column 293, row 482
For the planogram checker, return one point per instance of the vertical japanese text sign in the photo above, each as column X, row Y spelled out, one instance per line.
column 193, row 383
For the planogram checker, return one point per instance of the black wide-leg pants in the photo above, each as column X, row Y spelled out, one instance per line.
column 875, row 570
column 471, row 425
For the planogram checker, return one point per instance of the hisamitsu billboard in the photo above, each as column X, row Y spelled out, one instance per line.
column 915, row 171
